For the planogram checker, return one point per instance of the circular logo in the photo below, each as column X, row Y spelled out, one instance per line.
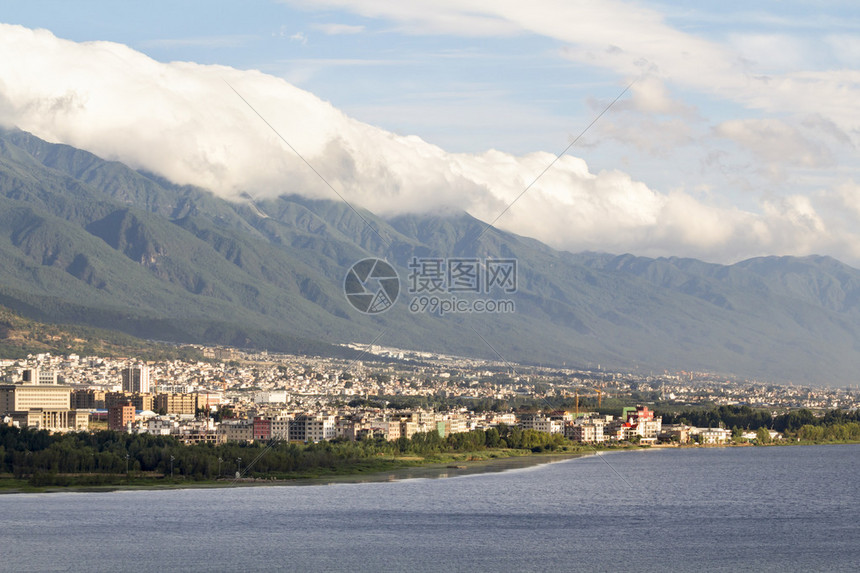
column 371, row 286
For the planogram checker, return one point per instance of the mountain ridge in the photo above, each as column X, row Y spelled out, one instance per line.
column 97, row 242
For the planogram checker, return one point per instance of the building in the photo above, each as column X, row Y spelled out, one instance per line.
column 52, row 420
column 280, row 427
column 308, row 428
column 508, row 418
column 176, row 403
column 39, row 375
column 642, row 423
column 262, row 429
column 138, row 400
column 206, row 400
column 408, row 428
column 455, row 425
column 589, row 432
column 135, row 379
column 22, row 397
column 774, row 435
column 198, row 437
column 271, row 397
column 389, row 430
column 42, row 406
column 120, row 416
column 679, row 433
column 714, row 435
column 236, row 431
column 542, row 423
column 89, row 400
column 297, row 431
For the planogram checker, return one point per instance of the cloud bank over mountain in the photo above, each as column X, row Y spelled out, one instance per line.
column 183, row 121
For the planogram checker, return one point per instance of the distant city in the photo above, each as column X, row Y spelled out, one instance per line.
column 389, row 393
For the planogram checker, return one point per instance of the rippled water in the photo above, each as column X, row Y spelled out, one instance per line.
column 762, row 509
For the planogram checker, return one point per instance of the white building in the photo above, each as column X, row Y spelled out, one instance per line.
column 135, row 379
column 714, row 435
column 39, row 375
column 587, row 432
column 271, row 397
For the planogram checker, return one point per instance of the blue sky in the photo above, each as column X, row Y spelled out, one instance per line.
column 741, row 118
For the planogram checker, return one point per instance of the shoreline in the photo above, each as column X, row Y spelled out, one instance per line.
column 428, row 470
column 433, row 470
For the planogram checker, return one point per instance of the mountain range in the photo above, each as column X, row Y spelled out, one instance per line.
column 89, row 241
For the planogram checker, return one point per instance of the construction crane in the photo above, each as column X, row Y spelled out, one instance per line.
column 597, row 391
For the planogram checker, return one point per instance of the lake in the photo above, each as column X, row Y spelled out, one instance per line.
column 708, row 509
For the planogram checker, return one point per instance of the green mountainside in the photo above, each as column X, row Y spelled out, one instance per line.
column 89, row 241
column 20, row 336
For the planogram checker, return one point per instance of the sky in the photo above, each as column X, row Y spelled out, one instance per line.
column 735, row 134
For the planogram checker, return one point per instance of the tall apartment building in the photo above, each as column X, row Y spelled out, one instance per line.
column 120, row 416
column 135, row 379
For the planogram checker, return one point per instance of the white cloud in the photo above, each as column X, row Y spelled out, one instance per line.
column 181, row 120
column 338, row 29
column 774, row 52
column 650, row 95
column 775, row 142
column 658, row 138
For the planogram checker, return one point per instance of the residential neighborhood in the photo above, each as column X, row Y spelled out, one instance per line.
column 236, row 396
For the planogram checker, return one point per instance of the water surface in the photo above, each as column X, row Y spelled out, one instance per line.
column 719, row 509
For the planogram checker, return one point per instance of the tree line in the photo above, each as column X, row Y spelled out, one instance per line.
column 747, row 418
column 106, row 456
